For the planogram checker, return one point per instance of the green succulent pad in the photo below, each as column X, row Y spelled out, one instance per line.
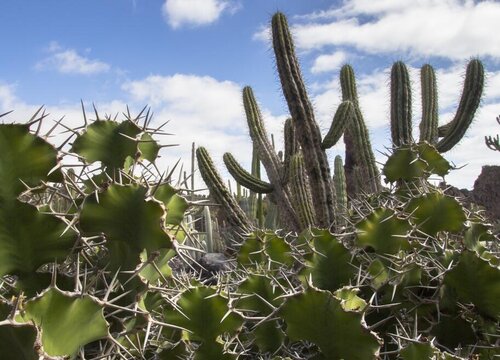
column 24, row 158
column 175, row 204
column 350, row 300
column 383, row 232
column 251, row 251
column 475, row 281
column 204, row 314
column 409, row 163
column 67, row 321
column 148, row 147
column 420, row 351
column 157, row 269
column 129, row 221
column 436, row 212
column 17, row 342
column 111, row 142
column 30, row 239
column 259, row 297
column 330, row 265
column 318, row 316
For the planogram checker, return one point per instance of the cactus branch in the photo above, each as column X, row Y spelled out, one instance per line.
column 244, row 178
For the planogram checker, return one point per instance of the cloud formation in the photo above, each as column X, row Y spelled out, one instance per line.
column 180, row 13
column 69, row 61
column 329, row 62
column 451, row 29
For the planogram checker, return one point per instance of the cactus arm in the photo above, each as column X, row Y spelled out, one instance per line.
column 301, row 191
column 401, row 125
column 359, row 153
column 244, row 178
column 469, row 102
column 341, row 119
column 233, row 214
column 430, row 115
column 300, row 107
column 258, row 134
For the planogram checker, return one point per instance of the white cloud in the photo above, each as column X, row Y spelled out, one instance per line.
column 69, row 61
column 329, row 62
column 453, row 29
column 195, row 12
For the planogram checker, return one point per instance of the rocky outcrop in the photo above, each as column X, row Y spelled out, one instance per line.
column 487, row 191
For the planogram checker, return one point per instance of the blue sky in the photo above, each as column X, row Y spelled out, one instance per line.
column 189, row 59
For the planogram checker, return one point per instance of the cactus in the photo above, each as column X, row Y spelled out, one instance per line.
column 308, row 132
column 430, row 114
column 302, row 193
column 450, row 133
column 493, row 142
column 400, row 105
column 339, row 184
column 233, row 214
column 359, row 158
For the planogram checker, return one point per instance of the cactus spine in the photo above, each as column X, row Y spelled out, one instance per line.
column 300, row 108
column 400, row 105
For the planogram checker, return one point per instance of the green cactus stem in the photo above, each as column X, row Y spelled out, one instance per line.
column 430, row 114
column 469, row 102
column 270, row 160
column 244, row 178
column 233, row 214
column 301, row 191
column 339, row 184
column 359, row 158
column 291, row 147
column 401, row 125
column 341, row 119
column 308, row 131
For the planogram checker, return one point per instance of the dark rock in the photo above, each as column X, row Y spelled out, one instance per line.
column 487, row 191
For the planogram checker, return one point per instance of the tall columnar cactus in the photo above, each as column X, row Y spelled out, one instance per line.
column 359, row 158
column 233, row 214
column 308, row 131
column 450, row 133
column 430, row 113
column 400, row 105
column 454, row 131
column 301, row 191
column 274, row 167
